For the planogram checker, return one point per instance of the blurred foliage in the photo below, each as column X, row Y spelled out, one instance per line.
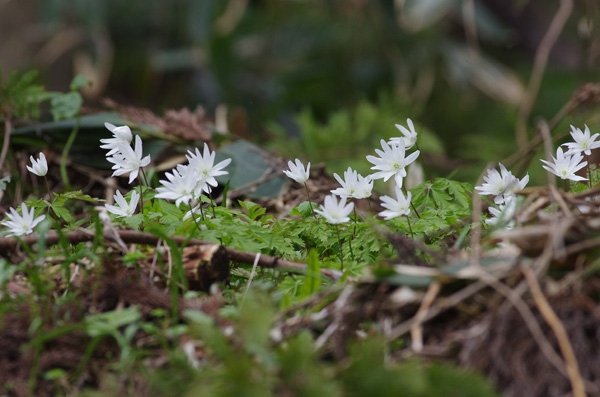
column 284, row 67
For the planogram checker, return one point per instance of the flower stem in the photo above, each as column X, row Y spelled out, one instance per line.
column 65, row 152
column 410, row 228
column 411, row 203
column 141, row 196
column 310, row 203
column 48, row 188
column 212, row 205
column 370, row 208
column 355, row 220
column 340, row 242
column 588, row 171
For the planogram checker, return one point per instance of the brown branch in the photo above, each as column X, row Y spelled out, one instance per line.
column 539, row 66
column 558, row 328
column 7, row 131
column 8, row 244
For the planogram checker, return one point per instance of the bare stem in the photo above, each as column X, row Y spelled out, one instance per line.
column 310, row 203
column 7, row 132
column 411, row 203
column 337, row 229
column 410, row 228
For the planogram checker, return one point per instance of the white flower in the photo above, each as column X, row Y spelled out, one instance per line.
column 121, row 136
column 503, row 214
column 20, row 225
column 583, row 142
column 128, row 160
column 38, row 167
column 564, row 166
column 410, row 137
column 203, row 166
column 197, row 210
column 335, row 212
column 181, row 186
column 123, row 208
column 501, row 184
column 297, row 171
column 395, row 208
column 354, row 185
column 391, row 161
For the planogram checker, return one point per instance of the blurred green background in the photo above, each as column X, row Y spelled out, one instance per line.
column 322, row 80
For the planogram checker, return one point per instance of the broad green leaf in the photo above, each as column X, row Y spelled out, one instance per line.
column 78, row 82
column 250, row 163
column 65, row 106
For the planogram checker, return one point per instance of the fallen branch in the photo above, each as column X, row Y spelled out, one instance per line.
column 558, row 328
column 8, row 244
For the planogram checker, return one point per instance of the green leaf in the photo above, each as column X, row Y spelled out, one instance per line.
column 78, row 82
column 249, row 163
column 3, row 182
column 254, row 210
column 134, row 221
column 62, row 212
column 108, row 323
column 65, row 106
column 306, row 209
column 312, row 281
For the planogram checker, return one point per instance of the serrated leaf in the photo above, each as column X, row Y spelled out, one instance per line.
column 305, row 209
column 134, row 221
column 62, row 212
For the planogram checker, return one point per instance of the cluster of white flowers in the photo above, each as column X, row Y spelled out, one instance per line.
column 503, row 185
column 392, row 161
column 23, row 224
column 187, row 182
column 565, row 165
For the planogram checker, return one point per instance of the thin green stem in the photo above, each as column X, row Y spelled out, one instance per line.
column 370, row 208
column 141, row 196
column 48, row 188
column 310, row 203
column 212, row 205
column 355, row 220
column 65, row 152
column 588, row 171
column 411, row 203
column 341, row 251
column 410, row 228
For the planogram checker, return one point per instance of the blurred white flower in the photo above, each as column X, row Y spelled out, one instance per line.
column 121, row 136
column 395, row 207
column 203, row 166
column 410, row 137
column 354, row 185
column 20, row 225
column 391, row 161
column 38, row 167
column 335, row 212
column 297, row 171
column 501, row 184
column 503, row 215
column 583, row 142
column 181, row 186
column 128, row 160
column 123, row 208
column 564, row 166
